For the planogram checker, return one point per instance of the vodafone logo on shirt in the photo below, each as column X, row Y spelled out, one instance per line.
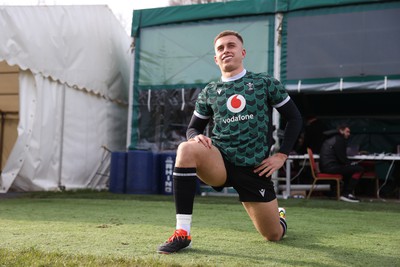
column 236, row 103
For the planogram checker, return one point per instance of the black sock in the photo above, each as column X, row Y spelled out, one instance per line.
column 184, row 189
column 284, row 226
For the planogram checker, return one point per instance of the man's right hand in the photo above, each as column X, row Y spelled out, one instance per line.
column 206, row 141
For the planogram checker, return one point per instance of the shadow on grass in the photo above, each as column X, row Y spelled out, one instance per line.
column 337, row 255
column 340, row 205
column 342, row 255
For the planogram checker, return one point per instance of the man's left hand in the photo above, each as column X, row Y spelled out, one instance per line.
column 271, row 164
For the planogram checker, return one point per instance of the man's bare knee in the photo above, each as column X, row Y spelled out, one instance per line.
column 185, row 154
column 185, row 148
column 273, row 237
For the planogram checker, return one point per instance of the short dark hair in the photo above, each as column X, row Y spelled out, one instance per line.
column 342, row 126
column 227, row 33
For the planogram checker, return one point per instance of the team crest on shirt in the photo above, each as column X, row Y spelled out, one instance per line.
column 236, row 103
column 250, row 86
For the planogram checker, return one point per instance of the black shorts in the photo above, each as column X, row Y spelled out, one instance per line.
column 250, row 186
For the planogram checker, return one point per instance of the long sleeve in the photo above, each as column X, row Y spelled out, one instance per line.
column 196, row 126
column 340, row 150
column 293, row 126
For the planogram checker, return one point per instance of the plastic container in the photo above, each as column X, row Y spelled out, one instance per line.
column 167, row 163
column 142, row 172
column 118, row 172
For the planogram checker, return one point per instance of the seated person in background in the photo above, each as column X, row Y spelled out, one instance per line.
column 333, row 159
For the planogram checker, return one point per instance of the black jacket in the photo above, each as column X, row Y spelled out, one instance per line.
column 333, row 152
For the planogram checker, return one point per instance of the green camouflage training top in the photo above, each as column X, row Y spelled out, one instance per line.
column 242, row 114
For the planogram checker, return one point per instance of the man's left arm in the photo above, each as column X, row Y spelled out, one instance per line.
column 293, row 126
column 292, row 130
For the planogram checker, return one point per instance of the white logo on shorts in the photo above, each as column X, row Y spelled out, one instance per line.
column 262, row 192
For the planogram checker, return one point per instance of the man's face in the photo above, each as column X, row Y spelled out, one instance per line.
column 229, row 53
column 345, row 132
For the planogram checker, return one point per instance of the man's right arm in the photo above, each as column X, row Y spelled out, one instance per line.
column 196, row 126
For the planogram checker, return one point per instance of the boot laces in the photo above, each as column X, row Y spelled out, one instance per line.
column 178, row 234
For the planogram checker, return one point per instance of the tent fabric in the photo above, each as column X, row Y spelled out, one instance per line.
column 293, row 5
column 342, row 48
column 165, row 58
column 162, row 61
column 180, row 14
column 38, row 136
column 164, row 118
column 341, row 85
column 168, row 59
column 361, row 22
column 62, row 41
column 74, row 83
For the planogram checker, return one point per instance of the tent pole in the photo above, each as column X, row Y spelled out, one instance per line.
column 60, row 186
column 277, row 72
column 130, row 101
column 277, row 75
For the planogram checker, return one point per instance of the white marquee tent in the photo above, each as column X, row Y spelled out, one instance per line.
column 73, row 92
